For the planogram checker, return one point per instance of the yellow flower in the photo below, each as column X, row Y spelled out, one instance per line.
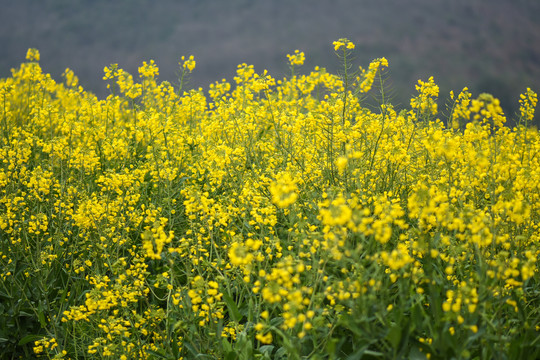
column 527, row 106
column 341, row 164
column 366, row 78
column 149, row 70
column 337, row 213
column 283, row 190
column 265, row 339
column 337, row 45
column 343, row 42
column 32, row 55
column 188, row 64
column 297, row 58
column 426, row 102
column 239, row 254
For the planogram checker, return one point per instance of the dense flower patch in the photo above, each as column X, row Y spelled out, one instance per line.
column 265, row 219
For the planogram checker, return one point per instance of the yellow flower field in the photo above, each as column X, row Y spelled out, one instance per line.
column 264, row 218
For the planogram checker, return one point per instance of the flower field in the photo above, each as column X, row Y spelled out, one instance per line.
column 301, row 218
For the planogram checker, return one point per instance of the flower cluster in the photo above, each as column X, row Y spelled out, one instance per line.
column 297, row 58
column 344, row 43
column 189, row 63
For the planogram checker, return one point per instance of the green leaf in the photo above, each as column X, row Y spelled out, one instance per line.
column 281, row 352
column 30, row 338
column 374, row 353
column 64, row 295
column 276, row 321
column 394, row 335
column 358, row 354
column 233, row 309
column 175, row 349
column 155, row 353
column 416, row 354
column 266, row 349
column 204, row 356
column 251, row 314
column 226, row 345
column 41, row 315
column 191, row 349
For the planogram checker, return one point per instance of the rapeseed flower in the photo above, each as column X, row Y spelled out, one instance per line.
column 284, row 190
column 297, row 58
column 188, row 64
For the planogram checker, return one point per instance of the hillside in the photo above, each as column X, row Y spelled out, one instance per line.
column 491, row 46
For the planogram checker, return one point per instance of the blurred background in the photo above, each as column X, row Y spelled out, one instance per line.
column 488, row 45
